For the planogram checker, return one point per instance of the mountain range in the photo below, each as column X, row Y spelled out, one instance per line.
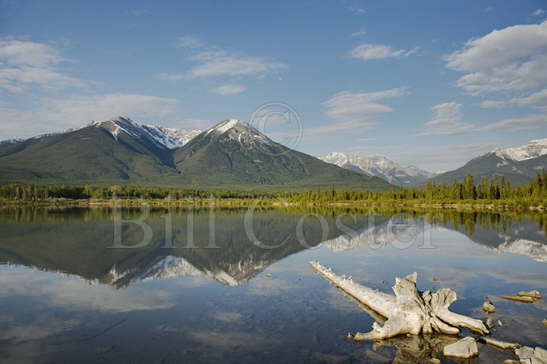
column 379, row 166
column 235, row 260
column 514, row 237
column 28, row 240
column 520, row 165
column 230, row 154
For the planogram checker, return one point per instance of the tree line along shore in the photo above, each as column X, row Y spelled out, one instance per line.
column 494, row 193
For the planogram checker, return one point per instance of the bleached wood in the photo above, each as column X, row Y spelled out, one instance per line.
column 409, row 311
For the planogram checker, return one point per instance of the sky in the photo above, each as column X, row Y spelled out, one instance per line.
column 429, row 83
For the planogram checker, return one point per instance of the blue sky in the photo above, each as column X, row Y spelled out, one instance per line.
column 429, row 83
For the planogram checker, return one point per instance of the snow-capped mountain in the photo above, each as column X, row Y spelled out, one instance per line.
column 519, row 165
column 517, row 239
column 391, row 232
column 532, row 149
column 535, row 250
column 235, row 152
column 123, row 150
column 175, row 266
column 167, row 137
column 244, row 133
column 379, row 166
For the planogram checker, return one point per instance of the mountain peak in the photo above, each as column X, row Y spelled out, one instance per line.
column 116, row 120
column 379, row 166
column 169, row 138
column 228, row 124
column 237, row 130
column 532, row 149
column 519, row 165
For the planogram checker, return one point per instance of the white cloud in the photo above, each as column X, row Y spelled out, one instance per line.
column 214, row 62
column 16, row 123
column 447, row 121
column 15, row 79
column 354, row 110
column 102, row 107
column 357, row 10
column 72, row 293
column 337, row 127
column 493, row 104
column 445, row 157
column 539, row 12
column 26, row 53
column 359, row 33
column 370, row 51
column 137, row 12
column 192, row 124
column 58, row 114
column 509, row 59
column 429, row 157
column 190, row 41
column 268, row 287
column 25, row 63
column 229, row 89
column 171, row 76
column 221, row 63
column 359, row 107
column 537, row 99
column 532, row 121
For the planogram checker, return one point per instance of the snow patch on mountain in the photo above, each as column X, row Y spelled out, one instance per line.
column 533, row 249
column 225, row 126
column 532, row 149
column 175, row 266
column 245, row 134
column 391, row 233
column 169, row 138
column 379, row 166
column 170, row 266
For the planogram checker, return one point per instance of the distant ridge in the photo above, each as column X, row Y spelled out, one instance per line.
column 519, row 165
column 381, row 167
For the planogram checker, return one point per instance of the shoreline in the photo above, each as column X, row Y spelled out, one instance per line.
column 273, row 203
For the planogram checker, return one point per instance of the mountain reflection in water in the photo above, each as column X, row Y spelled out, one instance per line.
column 80, row 242
column 233, row 292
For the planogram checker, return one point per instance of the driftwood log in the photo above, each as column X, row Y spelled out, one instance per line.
column 408, row 311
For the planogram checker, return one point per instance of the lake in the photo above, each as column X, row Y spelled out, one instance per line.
column 235, row 286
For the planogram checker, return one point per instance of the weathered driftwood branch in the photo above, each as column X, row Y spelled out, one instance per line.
column 409, row 311
column 500, row 344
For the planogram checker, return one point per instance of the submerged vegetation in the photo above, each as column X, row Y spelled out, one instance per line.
column 488, row 193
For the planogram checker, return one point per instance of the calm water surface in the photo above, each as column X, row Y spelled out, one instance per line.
column 225, row 288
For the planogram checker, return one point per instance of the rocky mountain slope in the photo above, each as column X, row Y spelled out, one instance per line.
column 520, row 165
column 381, row 167
column 123, row 151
